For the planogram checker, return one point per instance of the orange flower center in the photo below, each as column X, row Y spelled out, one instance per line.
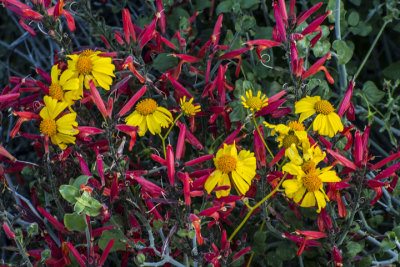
column 146, row 107
column 254, row 102
column 297, row 126
column 226, row 163
column 55, row 91
column 85, row 64
column 48, row 126
column 312, row 182
column 324, row 107
column 289, row 140
column 308, row 167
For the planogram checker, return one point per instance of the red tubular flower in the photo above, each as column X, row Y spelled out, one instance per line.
column 388, row 172
column 317, row 66
column 279, row 23
column 282, row 9
column 196, row 224
column 358, row 152
column 24, row 116
column 162, row 22
column 191, row 138
column 337, row 256
column 83, row 165
column 385, row 161
column 308, row 13
column 158, row 159
column 128, row 26
column 343, row 160
column 128, row 63
column 132, row 101
column 181, row 141
column 106, row 251
column 377, row 187
column 58, row 10
column 198, row 160
column 97, row 99
column 186, row 189
column 5, row 153
column 59, row 226
column 148, row 186
column 259, row 148
column 8, row 231
column 262, row 45
column 86, row 131
column 347, row 133
column 148, row 33
column 309, row 235
column 99, row 163
column 324, row 221
column 170, row 165
column 129, row 130
column 351, row 113
column 346, row 99
column 76, row 254
column 333, row 193
column 315, row 26
column 8, row 97
column 179, row 87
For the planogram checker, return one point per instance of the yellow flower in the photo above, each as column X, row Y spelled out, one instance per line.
column 188, row 108
column 327, row 121
column 148, row 115
column 293, row 133
column 60, row 131
column 254, row 103
column 62, row 83
column 89, row 66
column 240, row 169
column 309, row 179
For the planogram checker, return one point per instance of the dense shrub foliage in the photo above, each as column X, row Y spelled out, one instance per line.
column 196, row 133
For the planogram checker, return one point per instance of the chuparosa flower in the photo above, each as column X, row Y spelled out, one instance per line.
column 327, row 121
column 88, row 65
column 254, row 103
column 239, row 169
column 148, row 115
column 61, row 131
column 188, row 108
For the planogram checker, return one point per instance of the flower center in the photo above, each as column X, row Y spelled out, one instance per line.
column 324, row 107
column 189, row 109
column 289, row 140
column 55, row 91
column 85, row 64
column 227, row 163
column 312, row 182
column 48, row 126
column 297, row 126
column 254, row 103
column 308, row 167
column 146, row 106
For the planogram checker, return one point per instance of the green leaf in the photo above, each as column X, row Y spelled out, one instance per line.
column 284, row 253
column 69, row 193
column 45, row 255
column 200, row 5
column 372, row 93
column 396, row 231
column 362, row 29
column 248, row 3
column 356, row 2
column 364, row 262
column 248, row 22
column 224, row 7
column 353, row 18
column 83, row 179
column 392, row 71
column 164, row 62
column 75, row 222
column 344, row 52
column 263, row 33
column 321, row 48
column 106, row 237
column 353, row 248
column 87, row 205
column 32, row 229
column 388, row 244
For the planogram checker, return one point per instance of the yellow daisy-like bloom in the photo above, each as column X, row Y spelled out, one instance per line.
column 60, row 131
column 327, row 121
column 148, row 115
column 309, row 179
column 254, row 103
column 292, row 133
column 64, row 88
column 231, row 167
column 188, row 108
column 88, row 65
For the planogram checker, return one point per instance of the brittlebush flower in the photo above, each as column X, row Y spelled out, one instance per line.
column 64, row 88
column 307, row 186
column 327, row 121
column 88, row 65
column 254, row 103
column 61, row 131
column 148, row 115
column 188, row 108
column 292, row 133
column 239, row 169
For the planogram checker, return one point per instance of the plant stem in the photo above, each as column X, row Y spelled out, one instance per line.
column 166, row 135
column 262, row 138
column 252, row 253
column 251, row 209
column 370, row 50
column 341, row 68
